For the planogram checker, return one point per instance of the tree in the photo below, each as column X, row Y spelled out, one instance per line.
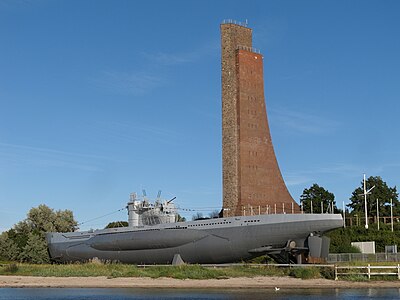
column 45, row 219
column 117, row 224
column 27, row 238
column 8, row 248
column 317, row 195
column 179, row 218
column 197, row 216
column 382, row 192
column 214, row 214
column 35, row 250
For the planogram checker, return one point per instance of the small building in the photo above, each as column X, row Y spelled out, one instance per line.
column 365, row 247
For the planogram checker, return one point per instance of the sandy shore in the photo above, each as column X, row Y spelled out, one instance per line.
column 234, row 283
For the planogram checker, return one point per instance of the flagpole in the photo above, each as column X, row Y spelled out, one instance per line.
column 391, row 212
column 365, row 204
column 344, row 216
column 377, row 211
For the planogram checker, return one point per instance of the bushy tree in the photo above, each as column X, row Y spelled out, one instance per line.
column 26, row 240
column 117, row 224
column 197, row 216
column 8, row 248
column 342, row 238
column 35, row 250
column 214, row 214
column 179, row 218
column 45, row 219
column 316, row 195
column 381, row 191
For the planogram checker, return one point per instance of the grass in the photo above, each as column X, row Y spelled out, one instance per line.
column 305, row 273
column 354, row 277
column 113, row 270
column 365, row 263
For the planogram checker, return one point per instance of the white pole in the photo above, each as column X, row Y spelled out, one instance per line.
column 344, row 216
column 322, row 207
column 391, row 212
column 311, row 207
column 377, row 211
column 365, row 203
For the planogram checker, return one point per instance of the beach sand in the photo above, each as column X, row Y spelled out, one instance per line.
column 140, row 282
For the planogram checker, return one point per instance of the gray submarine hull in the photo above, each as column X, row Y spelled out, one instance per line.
column 219, row 240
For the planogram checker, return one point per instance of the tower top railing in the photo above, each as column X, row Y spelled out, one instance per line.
column 231, row 21
column 246, row 48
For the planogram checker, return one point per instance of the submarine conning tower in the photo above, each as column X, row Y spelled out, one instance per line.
column 252, row 181
column 142, row 212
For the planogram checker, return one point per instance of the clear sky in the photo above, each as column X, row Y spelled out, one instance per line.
column 99, row 99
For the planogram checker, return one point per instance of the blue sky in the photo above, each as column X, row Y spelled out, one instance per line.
column 102, row 98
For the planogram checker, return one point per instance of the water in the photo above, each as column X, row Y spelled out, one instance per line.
column 206, row 294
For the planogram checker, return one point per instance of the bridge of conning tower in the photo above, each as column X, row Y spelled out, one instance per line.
column 252, row 181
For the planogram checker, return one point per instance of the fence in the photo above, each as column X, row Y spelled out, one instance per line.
column 250, row 49
column 279, row 208
column 367, row 270
column 351, row 257
column 231, row 21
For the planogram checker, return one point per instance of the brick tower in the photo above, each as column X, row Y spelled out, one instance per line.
column 252, row 181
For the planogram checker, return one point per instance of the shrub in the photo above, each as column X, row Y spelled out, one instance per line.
column 305, row 273
column 11, row 268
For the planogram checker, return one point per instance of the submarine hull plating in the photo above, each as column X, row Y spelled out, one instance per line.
column 221, row 240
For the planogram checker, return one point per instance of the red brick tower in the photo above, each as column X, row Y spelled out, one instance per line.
column 252, row 181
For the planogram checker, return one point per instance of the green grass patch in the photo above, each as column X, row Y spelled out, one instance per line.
column 354, row 277
column 113, row 270
column 305, row 272
column 11, row 268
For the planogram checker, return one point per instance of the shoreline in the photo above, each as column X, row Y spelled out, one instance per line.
column 146, row 282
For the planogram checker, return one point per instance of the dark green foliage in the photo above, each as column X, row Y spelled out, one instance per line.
column 263, row 259
column 35, row 250
column 26, row 240
column 317, row 195
column 305, row 273
column 11, row 268
column 8, row 248
column 327, row 272
column 341, row 238
column 382, row 192
column 117, row 224
column 179, row 218
column 112, row 270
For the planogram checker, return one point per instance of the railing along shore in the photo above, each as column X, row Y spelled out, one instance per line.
column 367, row 270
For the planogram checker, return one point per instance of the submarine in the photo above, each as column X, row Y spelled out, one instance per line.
column 153, row 236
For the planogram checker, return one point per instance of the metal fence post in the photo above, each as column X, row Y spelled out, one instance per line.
column 369, row 271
